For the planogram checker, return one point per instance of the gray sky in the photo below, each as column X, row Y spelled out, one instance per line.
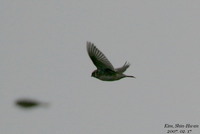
column 43, row 56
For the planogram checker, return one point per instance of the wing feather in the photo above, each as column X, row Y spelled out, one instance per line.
column 98, row 58
column 123, row 68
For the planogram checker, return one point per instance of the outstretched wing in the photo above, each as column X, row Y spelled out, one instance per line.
column 98, row 58
column 123, row 68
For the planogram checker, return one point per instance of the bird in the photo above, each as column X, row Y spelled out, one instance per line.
column 105, row 70
column 29, row 103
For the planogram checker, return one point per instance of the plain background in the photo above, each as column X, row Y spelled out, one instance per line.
column 43, row 56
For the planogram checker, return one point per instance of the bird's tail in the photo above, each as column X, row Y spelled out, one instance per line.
column 130, row 76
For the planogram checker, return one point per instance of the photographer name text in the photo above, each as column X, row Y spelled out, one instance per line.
column 180, row 128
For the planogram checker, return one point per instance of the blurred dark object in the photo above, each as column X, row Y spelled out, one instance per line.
column 29, row 103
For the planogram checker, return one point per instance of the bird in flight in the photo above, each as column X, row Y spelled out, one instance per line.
column 105, row 70
column 29, row 103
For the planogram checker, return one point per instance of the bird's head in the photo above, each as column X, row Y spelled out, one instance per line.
column 94, row 73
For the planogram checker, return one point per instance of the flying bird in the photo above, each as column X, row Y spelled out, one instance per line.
column 29, row 103
column 105, row 70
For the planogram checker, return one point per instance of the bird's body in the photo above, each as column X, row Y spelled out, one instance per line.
column 105, row 70
column 107, row 76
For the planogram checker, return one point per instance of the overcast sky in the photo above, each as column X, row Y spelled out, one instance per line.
column 43, row 56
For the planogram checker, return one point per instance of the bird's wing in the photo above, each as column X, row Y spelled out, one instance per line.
column 98, row 58
column 123, row 68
